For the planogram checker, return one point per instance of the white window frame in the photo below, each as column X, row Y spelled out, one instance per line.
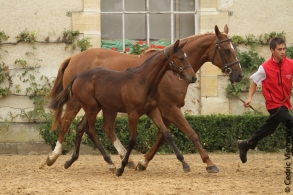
column 172, row 13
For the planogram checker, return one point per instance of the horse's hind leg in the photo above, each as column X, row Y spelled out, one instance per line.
column 155, row 116
column 92, row 135
column 160, row 140
column 72, row 108
column 109, row 129
column 79, row 133
column 133, row 122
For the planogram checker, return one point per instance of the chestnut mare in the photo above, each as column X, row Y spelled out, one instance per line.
column 134, row 91
column 210, row 47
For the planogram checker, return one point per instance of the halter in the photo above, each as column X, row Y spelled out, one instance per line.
column 227, row 70
column 181, row 69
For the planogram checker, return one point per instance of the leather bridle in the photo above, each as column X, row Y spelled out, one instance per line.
column 227, row 70
column 180, row 68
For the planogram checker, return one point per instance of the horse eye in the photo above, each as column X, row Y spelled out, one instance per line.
column 181, row 59
column 227, row 51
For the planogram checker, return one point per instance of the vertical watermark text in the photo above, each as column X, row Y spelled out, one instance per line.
column 287, row 180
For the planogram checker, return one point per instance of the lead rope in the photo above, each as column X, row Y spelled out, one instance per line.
column 258, row 112
column 280, row 106
column 255, row 109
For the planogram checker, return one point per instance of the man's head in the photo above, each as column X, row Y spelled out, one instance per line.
column 276, row 41
column 278, row 48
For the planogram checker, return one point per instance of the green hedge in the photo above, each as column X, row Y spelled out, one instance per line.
column 216, row 133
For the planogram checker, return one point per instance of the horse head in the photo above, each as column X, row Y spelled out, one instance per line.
column 179, row 63
column 224, row 56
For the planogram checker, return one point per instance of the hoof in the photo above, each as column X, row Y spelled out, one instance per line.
column 50, row 162
column 131, row 165
column 212, row 169
column 112, row 168
column 140, row 167
column 186, row 167
column 67, row 165
column 119, row 172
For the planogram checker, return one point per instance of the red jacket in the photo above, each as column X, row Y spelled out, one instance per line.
column 276, row 87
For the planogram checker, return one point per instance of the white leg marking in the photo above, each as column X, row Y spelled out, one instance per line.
column 120, row 148
column 143, row 162
column 58, row 148
column 54, row 155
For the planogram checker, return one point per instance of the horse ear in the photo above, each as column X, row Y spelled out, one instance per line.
column 226, row 29
column 183, row 43
column 176, row 44
column 217, row 30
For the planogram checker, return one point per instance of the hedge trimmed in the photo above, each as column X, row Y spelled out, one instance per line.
column 221, row 132
column 216, row 132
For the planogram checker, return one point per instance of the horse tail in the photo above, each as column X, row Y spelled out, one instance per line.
column 58, row 102
column 57, row 88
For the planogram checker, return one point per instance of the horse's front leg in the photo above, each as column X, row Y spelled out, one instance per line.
column 109, row 129
column 80, row 129
column 178, row 119
column 72, row 108
column 133, row 122
column 175, row 116
column 155, row 116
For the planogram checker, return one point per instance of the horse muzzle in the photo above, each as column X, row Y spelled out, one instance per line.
column 236, row 77
column 191, row 80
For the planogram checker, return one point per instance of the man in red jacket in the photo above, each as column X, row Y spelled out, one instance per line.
column 275, row 75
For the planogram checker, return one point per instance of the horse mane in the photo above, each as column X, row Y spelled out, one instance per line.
column 146, row 61
column 154, row 49
column 200, row 35
column 151, row 50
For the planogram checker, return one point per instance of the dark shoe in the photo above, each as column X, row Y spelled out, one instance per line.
column 243, row 148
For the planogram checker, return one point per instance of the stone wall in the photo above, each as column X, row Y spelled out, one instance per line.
column 44, row 19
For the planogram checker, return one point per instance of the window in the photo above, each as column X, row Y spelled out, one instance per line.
column 147, row 20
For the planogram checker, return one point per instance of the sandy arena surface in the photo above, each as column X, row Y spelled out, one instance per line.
column 264, row 173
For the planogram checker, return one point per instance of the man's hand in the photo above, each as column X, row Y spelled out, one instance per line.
column 247, row 102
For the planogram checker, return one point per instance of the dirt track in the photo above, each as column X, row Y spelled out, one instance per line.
column 262, row 174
